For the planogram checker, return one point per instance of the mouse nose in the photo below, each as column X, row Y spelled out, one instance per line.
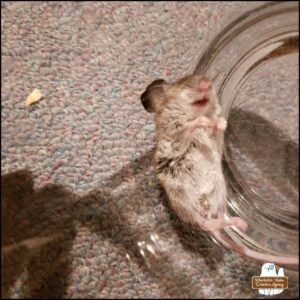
column 204, row 86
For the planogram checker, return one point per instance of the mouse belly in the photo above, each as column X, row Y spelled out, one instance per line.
column 195, row 186
column 190, row 202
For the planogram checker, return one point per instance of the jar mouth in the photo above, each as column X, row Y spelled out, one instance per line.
column 253, row 63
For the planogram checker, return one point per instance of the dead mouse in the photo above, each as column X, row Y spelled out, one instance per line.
column 189, row 133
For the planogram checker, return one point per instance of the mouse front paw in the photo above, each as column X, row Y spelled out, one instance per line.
column 203, row 121
column 220, row 124
column 200, row 122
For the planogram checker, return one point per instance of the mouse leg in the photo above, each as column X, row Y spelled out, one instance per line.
column 210, row 224
column 220, row 223
column 234, row 221
column 237, row 222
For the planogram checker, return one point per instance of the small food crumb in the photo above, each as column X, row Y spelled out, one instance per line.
column 35, row 96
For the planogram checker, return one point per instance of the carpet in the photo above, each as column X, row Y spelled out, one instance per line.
column 83, row 215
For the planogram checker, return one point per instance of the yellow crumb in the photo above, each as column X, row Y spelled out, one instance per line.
column 35, row 96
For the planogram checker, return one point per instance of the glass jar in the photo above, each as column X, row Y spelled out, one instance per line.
column 254, row 65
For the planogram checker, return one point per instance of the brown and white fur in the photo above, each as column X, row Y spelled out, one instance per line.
column 189, row 133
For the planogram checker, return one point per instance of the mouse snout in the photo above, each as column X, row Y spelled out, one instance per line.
column 204, row 86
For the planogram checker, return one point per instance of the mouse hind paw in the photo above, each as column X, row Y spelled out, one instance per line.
column 238, row 222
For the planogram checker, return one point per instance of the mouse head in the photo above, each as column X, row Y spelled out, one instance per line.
column 192, row 95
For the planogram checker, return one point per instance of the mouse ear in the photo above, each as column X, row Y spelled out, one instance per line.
column 153, row 95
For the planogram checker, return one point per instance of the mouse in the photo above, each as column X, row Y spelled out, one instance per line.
column 189, row 130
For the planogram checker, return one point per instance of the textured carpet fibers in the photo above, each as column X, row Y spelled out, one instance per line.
column 82, row 213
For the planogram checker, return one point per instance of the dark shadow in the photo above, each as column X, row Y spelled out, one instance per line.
column 37, row 234
column 25, row 225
